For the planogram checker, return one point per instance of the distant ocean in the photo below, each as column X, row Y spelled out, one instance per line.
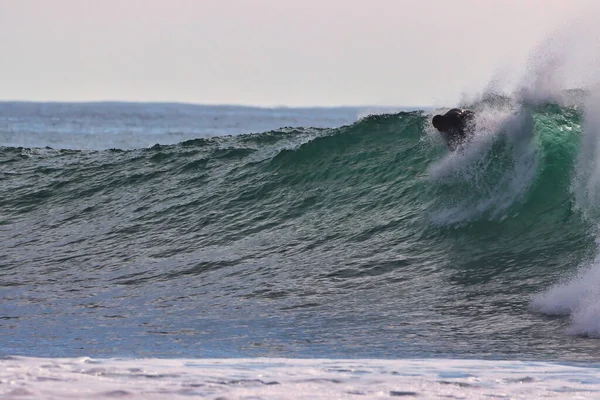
column 177, row 251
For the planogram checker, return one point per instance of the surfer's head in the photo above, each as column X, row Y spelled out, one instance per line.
column 441, row 123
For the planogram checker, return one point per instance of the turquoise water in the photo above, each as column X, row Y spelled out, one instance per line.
column 338, row 237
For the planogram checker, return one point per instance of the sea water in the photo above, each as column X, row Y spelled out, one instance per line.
column 152, row 250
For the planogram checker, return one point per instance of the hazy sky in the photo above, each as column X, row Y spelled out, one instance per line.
column 268, row 52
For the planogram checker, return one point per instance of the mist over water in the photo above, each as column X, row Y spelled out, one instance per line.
column 579, row 297
column 568, row 59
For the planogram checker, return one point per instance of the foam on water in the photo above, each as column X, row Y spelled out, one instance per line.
column 39, row 378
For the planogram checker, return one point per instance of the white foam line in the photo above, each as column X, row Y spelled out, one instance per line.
column 64, row 378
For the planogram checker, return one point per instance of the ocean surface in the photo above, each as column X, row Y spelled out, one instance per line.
column 283, row 253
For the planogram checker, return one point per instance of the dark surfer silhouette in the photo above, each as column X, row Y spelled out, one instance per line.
column 455, row 126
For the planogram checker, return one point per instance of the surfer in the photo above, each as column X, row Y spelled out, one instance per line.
column 455, row 126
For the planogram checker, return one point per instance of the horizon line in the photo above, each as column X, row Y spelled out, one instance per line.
column 240, row 105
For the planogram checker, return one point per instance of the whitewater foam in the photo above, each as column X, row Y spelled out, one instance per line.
column 578, row 297
column 265, row 378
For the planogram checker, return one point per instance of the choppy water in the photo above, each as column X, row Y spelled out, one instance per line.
column 132, row 230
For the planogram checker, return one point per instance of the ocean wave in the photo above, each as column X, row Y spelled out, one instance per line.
column 339, row 209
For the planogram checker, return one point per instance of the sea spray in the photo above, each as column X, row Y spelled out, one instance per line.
column 495, row 168
column 579, row 297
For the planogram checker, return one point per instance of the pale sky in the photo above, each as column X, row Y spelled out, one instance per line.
column 268, row 52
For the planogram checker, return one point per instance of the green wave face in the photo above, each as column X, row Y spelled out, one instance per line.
column 386, row 175
column 375, row 213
